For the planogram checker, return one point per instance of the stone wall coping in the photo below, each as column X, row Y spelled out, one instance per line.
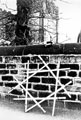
column 66, row 49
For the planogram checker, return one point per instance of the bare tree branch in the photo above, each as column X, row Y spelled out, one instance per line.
column 65, row 1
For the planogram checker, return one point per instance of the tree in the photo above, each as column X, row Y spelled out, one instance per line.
column 19, row 27
column 26, row 11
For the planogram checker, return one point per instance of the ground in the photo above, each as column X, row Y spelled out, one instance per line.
column 14, row 110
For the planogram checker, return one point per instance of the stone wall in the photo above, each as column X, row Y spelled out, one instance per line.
column 41, row 84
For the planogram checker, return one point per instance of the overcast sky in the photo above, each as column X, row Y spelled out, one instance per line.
column 11, row 5
column 70, row 25
column 70, row 14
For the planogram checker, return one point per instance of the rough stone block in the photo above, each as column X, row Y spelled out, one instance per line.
column 42, row 74
column 43, row 94
column 79, row 97
column 62, row 90
column 11, row 66
column 7, row 78
column 62, row 73
column 29, row 85
column 33, row 66
column 8, row 59
column 52, row 66
column 14, row 71
column 74, row 88
column 41, row 87
column 79, row 73
column 48, row 80
column 45, row 58
column 52, row 88
column 34, row 79
column 77, row 81
column 71, row 66
column 78, row 59
column 16, row 92
column 1, row 59
column 73, row 97
column 64, row 59
column 66, row 80
column 72, row 73
column 4, row 72
column 33, row 93
column 72, row 59
column 1, row 83
column 23, row 72
column 2, row 66
column 16, row 59
column 41, row 65
column 21, row 66
column 12, row 59
column 11, row 84
column 35, row 59
column 60, row 95
column 25, row 59
column 53, row 59
column 55, row 73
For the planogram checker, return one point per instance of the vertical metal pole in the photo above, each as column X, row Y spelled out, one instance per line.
column 41, row 25
column 26, row 101
column 57, row 18
column 56, row 85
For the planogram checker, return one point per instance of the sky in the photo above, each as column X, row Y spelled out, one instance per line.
column 70, row 20
column 11, row 5
column 69, row 14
